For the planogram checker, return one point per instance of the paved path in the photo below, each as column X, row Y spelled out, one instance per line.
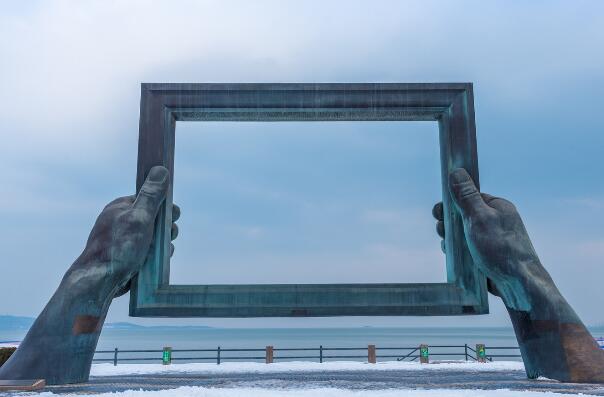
column 353, row 380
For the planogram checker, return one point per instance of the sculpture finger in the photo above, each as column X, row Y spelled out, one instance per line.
column 440, row 228
column 153, row 192
column 175, row 212
column 174, row 231
column 466, row 195
column 437, row 211
column 443, row 247
column 171, row 249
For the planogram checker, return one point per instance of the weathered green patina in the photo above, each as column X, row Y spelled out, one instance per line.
column 451, row 105
column 132, row 236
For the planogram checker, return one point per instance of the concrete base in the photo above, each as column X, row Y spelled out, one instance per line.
column 22, row 385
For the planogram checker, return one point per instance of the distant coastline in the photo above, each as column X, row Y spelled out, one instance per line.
column 8, row 322
column 131, row 336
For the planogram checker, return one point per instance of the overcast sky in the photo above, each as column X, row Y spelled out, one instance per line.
column 296, row 202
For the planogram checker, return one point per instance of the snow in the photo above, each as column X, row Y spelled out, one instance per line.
column 107, row 369
column 312, row 390
column 188, row 391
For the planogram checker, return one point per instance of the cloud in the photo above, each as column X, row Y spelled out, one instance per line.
column 592, row 203
column 66, row 62
column 71, row 74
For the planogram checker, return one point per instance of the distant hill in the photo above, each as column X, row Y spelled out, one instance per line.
column 122, row 325
column 126, row 325
column 24, row 323
column 15, row 322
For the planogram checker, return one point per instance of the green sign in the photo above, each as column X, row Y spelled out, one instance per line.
column 481, row 352
column 423, row 351
column 167, row 356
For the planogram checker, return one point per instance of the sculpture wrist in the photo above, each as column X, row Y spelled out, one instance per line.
column 534, row 292
column 88, row 281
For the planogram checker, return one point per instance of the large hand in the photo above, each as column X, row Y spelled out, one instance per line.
column 121, row 237
column 60, row 345
column 552, row 338
column 497, row 239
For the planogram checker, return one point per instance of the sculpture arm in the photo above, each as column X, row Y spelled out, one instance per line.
column 553, row 340
column 60, row 345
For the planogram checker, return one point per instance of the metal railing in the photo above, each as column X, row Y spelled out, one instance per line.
column 320, row 354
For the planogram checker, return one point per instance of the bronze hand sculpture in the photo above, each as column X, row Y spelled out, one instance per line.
column 553, row 341
column 60, row 344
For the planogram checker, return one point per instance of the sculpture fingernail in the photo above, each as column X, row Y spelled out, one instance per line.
column 158, row 174
column 459, row 175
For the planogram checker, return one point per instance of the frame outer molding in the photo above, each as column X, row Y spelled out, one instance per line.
column 450, row 104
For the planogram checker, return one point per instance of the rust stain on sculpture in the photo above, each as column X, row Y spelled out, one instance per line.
column 86, row 325
column 583, row 354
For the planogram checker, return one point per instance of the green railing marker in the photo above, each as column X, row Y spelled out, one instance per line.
column 402, row 353
column 424, row 354
column 167, row 356
column 481, row 353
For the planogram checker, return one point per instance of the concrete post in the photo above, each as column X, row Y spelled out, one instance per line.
column 269, row 354
column 371, row 355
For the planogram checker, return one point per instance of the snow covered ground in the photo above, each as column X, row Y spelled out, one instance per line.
column 318, row 392
column 306, row 379
column 298, row 366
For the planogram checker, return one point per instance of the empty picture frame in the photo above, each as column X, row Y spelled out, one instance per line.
column 449, row 104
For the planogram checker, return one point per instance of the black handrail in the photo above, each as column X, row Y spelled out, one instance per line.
column 408, row 355
column 411, row 353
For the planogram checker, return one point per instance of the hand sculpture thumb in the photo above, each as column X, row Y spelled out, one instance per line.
column 465, row 194
column 152, row 193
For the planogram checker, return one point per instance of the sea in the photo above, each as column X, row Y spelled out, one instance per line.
column 389, row 341
column 205, row 338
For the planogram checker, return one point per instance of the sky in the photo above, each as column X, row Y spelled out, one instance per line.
column 300, row 202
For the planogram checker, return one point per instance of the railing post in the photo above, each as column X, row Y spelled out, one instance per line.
column 321, row 353
column 218, row 356
column 424, row 354
column 481, row 353
column 115, row 357
column 167, row 356
column 269, row 354
column 466, row 350
column 371, row 356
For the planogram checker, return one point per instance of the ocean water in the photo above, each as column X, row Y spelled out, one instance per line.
column 285, row 338
column 155, row 338
column 209, row 338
